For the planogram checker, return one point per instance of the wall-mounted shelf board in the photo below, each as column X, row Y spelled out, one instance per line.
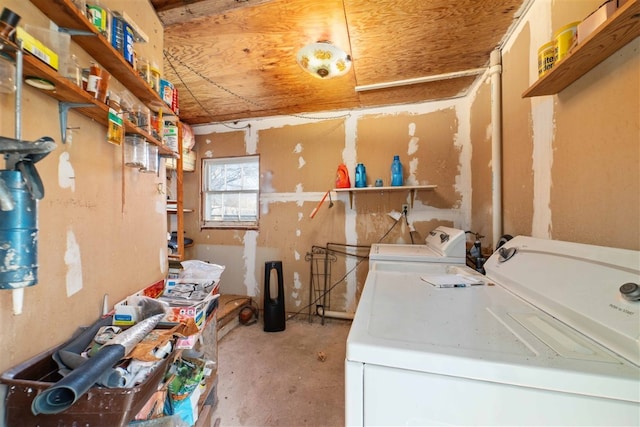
column 621, row 28
column 66, row 15
column 412, row 189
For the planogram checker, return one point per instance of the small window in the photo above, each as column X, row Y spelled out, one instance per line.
column 230, row 192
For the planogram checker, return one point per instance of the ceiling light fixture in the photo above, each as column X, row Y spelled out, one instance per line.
column 324, row 60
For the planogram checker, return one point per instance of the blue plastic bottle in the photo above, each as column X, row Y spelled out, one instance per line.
column 361, row 176
column 396, row 172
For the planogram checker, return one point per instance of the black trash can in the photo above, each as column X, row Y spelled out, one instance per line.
column 274, row 317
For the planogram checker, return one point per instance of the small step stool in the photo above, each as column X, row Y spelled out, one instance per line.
column 229, row 307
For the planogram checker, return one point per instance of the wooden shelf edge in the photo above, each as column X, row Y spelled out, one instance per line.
column 619, row 30
column 393, row 188
column 410, row 188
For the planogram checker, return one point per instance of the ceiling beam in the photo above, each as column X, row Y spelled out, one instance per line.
column 173, row 12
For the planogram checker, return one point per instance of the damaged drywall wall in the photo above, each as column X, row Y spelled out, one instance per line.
column 298, row 164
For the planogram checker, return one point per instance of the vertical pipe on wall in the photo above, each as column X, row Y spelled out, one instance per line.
column 18, row 294
column 495, row 72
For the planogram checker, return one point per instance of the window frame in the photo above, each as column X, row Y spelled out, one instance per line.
column 205, row 191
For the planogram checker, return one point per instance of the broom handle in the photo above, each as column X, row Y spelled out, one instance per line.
column 315, row 210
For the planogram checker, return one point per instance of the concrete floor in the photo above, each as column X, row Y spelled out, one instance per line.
column 278, row 378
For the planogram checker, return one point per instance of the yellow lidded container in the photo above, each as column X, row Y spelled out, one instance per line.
column 564, row 38
column 546, row 57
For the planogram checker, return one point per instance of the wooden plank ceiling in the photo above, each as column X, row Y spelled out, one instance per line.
column 233, row 59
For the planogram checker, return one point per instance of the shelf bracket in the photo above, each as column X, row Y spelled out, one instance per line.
column 63, row 110
column 73, row 32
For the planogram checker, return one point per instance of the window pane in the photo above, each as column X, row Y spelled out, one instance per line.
column 231, row 207
column 216, row 177
column 234, row 175
column 231, row 191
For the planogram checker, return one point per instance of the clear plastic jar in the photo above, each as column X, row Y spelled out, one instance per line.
column 152, row 159
column 143, row 118
column 7, row 75
column 135, row 151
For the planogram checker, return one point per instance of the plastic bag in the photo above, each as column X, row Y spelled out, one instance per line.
column 196, row 269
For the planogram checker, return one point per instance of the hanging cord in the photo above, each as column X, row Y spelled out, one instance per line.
column 169, row 57
column 362, row 258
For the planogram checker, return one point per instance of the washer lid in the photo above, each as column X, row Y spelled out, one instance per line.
column 479, row 332
column 578, row 284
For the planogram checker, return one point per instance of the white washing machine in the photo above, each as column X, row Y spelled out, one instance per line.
column 548, row 337
column 444, row 244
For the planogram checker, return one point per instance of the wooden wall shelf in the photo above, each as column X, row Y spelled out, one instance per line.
column 410, row 188
column 66, row 15
column 608, row 38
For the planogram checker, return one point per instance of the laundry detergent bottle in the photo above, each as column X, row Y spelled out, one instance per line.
column 396, row 172
column 361, row 176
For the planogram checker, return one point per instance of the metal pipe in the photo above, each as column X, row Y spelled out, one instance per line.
column 495, row 72
column 335, row 314
column 18, row 94
column 18, row 294
column 338, row 314
column 418, row 80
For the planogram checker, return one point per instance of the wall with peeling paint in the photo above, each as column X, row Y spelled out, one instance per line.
column 102, row 226
column 298, row 162
column 571, row 160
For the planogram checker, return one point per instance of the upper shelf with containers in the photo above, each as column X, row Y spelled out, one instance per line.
column 141, row 101
column 93, row 41
column 600, row 35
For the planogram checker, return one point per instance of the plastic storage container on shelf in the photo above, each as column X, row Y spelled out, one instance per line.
column 135, row 151
column 170, row 133
column 564, row 39
column 100, row 17
column 152, row 159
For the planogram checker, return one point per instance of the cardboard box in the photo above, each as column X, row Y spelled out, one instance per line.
column 186, row 299
column 597, row 18
column 127, row 312
column 188, row 161
column 31, row 44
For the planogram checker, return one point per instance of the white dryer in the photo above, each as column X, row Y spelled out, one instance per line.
column 444, row 245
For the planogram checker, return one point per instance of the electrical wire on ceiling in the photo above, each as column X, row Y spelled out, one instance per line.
column 170, row 58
